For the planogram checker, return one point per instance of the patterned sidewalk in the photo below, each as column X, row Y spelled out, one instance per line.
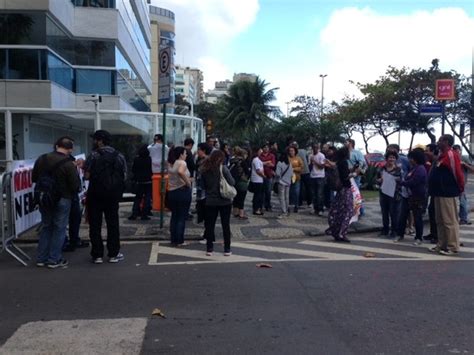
column 268, row 226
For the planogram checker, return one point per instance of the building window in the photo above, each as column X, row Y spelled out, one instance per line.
column 25, row 28
column 95, row 82
column 24, row 64
column 95, row 3
column 60, row 72
column 3, row 64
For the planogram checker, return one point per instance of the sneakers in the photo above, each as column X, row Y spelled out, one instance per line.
column 98, row 260
column 281, row 216
column 399, row 239
column 434, row 249
column 417, row 242
column 116, row 259
column 228, row 253
column 448, row 252
column 60, row 263
column 209, row 253
column 41, row 263
column 463, row 222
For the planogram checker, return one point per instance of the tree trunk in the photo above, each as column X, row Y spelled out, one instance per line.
column 431, row 135
column 460, row 138
column 411, row 141
column 366, row 140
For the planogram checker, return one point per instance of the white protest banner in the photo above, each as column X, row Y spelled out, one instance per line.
column 357, row 198
column 26, row 216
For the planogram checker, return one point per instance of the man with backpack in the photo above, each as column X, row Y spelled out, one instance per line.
column 106, row 169
column 56, row 183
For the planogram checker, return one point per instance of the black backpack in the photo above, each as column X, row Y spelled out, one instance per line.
column 107, row 175
column 46, row 194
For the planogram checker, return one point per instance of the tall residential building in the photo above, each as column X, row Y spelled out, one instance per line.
column 56, row 53
column 163, row 35
column 221, row 87
column 189, row 83
column 244, row 77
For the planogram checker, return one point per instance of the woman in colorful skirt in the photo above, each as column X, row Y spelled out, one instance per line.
column 342, row 208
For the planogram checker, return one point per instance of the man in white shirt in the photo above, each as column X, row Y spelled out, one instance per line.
column 156, row 151
column 317, row 174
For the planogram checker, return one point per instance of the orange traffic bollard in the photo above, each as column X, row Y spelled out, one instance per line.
column 156, row 197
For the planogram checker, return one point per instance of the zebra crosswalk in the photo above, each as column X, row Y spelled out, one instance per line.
column 364, row 247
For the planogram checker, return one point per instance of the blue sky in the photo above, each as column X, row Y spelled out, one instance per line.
column 290, row 42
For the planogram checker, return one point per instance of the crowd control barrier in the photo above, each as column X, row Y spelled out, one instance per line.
column 7, row 218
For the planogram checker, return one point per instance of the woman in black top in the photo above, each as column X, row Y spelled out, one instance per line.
column 215, row 204
column 142, row 175
column 342, row 208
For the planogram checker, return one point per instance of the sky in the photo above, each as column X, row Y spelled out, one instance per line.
column 289, row 43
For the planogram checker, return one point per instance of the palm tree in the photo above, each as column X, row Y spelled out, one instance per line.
column 246, row 107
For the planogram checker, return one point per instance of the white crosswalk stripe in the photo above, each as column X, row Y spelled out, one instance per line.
column 314, row 250
column 406, row 243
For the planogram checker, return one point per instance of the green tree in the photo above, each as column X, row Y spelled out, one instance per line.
column 246, row 107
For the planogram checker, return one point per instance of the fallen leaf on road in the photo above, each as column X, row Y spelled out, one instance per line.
column 268, row 266
column 158, row 312
column 369, row 255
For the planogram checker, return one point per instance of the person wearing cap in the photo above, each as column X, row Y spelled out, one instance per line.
column 106, row 169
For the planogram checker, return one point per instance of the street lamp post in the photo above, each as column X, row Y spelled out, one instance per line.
column 322, row 76
column 288, row 108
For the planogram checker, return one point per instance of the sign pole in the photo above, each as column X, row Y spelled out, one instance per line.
column 163, row 162
column 443, row 118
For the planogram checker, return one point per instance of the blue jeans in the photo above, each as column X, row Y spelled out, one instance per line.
column 463, row 208
column 295, row 193
column 317, row 185
column 390, row 213
column 53, row 232
column 179, row 201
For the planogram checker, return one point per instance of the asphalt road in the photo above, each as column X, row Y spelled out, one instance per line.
column 318, row 298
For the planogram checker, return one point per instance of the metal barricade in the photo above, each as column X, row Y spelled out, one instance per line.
column 7, row 219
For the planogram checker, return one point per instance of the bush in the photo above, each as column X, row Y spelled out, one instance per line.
column 368, row 181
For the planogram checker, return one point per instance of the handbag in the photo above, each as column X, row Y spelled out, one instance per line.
column 226, row 190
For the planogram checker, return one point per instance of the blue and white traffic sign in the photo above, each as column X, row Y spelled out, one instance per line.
column 431, row 110
column 164, row 83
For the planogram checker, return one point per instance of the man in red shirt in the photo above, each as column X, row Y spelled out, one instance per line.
column 269, row 162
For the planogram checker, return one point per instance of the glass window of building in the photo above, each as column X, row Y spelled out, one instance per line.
column 25, row 28
column 95, row 3
column 3, row 62
column 24, row 64
column 60, row 72
column 95, row 82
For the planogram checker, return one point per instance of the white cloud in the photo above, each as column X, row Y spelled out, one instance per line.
column 359, row 44
column 204, row 30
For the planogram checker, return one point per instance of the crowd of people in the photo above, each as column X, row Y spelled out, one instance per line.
column 320, row 178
